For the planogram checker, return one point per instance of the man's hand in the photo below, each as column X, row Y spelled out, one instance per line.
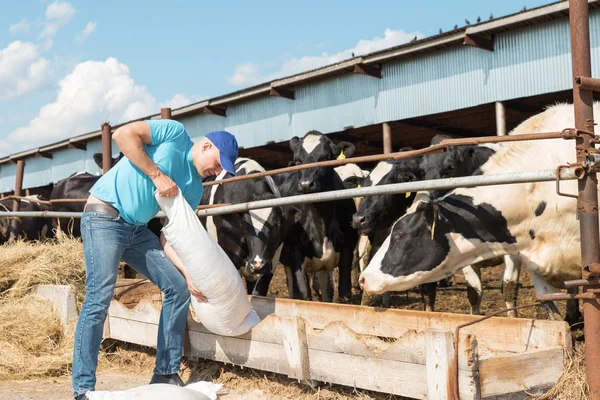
column 165, row 186
column 195, row 292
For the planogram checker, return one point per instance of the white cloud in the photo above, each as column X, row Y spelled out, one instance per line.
column 251, row 73
column 179, row 100
column 22, row 69
column 21, row 26
column 5, row 148
column 58, row 14
column 95, row 91
column 86, row 32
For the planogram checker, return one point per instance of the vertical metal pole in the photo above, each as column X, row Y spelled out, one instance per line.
column 165, row 113
column 500, row 119
column 106, row 148
column 17, row 203
column 387, row 138
column 587, row 204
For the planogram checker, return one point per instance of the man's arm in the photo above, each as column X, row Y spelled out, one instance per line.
column 131, row 139
column 177, row 262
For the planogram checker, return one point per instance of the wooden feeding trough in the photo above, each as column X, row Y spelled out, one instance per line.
column 401, row 352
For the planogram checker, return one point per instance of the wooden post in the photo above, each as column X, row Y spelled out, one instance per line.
column 106, row 148
column 387, row 138
column 500, row 119
column 165, row 113
column 293, row 332
column 17, row 203
column 439, row 360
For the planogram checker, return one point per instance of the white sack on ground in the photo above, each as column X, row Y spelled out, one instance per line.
column 228, row 311
column 194, row 391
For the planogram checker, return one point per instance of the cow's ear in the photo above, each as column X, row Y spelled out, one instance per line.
column 295, row 143
column 98, row 159
column 344, row 149
column 352, row 182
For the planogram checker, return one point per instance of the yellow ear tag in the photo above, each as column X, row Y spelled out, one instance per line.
column 341, row 156
column 435, row 217
column 408, row 194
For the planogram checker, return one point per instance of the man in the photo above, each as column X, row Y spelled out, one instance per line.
column 159, row 155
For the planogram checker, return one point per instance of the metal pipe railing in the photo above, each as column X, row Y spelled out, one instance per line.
column 569, row 173
column 438, row 148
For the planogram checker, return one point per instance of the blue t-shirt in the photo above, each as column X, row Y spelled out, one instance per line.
column 131, row 191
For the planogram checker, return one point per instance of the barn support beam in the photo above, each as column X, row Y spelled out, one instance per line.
column 106, row 148
column 16, row 203
column 387, row 138
column 500, row 119
column 587, row 202
column 479, row 41
column 368, row 70
column 282, row 92
column 165, row 113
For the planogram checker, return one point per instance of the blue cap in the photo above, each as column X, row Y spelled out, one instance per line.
column 228, row 149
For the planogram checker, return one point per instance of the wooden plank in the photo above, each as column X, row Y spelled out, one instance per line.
column 295, row 347
column 131, row 331
column 233, row 350
column 495, row 334
column 468, row 360
column 515, row 373
column 439, row 361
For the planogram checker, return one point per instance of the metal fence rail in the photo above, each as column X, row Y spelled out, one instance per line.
column 569, row 173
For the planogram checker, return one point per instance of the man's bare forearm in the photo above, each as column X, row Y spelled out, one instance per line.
column 172, row 255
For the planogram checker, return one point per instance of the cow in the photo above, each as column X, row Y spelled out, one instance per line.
column 465, row 161
column 253, row 240
column 474, row 224
column 29, row 228
column 377, row 213
column 73, row 188
column 326, row 237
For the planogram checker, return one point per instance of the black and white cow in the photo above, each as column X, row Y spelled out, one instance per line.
column 325, row 238
column 376, row 214
column 28, row 228
column 465, row 161
column 74, row 187
column 253, row 240
column 475, row 224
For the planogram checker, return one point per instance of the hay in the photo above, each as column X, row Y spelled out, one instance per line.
column 24, row 265
column 33, row 341
column 572, row 385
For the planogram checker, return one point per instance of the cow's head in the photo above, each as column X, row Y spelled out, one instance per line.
column 315, row 147
column 265, row 231
column 380, row 211
column 433, row 240
column 457, row 161
column 100, row 163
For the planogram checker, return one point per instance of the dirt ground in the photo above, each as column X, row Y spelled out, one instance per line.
column 242, row 383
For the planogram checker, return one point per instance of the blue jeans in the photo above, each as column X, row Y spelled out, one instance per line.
column 106, row 240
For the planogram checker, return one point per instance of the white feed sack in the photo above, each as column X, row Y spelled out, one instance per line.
column 227, row 311
column 194, row 391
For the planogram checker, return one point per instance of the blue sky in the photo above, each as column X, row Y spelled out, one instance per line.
column 68, row 66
